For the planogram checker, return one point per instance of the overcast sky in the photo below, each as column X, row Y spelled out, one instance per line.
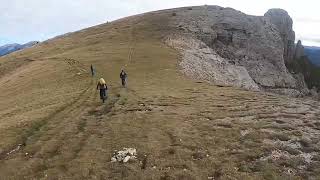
column 27, row 20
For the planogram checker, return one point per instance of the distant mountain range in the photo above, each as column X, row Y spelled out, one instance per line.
column 314, row 54
column 9, row 48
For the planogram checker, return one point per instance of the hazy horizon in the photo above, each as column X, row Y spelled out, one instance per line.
column 36, row 20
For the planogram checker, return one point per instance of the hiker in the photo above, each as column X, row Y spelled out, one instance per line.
column 123, row 77
column 93, row 72
column 103, row 89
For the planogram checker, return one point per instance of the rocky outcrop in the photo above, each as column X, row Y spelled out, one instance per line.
column 201, row 62
column 228, row 47
column 283, row 22
column 299, row 51
column 225, row 46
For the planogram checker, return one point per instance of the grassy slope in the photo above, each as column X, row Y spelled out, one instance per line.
column 183, row 130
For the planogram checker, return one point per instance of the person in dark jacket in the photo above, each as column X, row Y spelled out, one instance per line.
column 103, row 89
column 123, row 77
column 93, row 72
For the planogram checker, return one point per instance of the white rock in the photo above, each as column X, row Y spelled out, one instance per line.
column 113, row 159
column 125, row 155
column 132, row 151
column 126, row 159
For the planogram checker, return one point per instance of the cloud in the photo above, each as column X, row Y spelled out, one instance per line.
column 23, row 21
column 42, row 19
column 311, row 41
column 307, row 20
column 317, row 40
column 39, row 20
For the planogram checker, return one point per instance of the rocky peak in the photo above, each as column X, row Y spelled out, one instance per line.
column 227, row 47
column 283, row 22
column 299, row 51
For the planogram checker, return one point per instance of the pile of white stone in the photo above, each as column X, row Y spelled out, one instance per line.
column 125, row 155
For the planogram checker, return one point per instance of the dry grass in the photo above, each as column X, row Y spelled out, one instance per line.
column 182, row 129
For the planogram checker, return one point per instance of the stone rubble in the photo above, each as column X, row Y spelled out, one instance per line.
column 15, row 149
column 124, row 155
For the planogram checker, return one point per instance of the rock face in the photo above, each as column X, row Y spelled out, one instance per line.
column 299, row 50
column 225, row 46
column 283, row 23
column 202, row 62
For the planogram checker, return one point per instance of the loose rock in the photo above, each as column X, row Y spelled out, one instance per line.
column 124, row 156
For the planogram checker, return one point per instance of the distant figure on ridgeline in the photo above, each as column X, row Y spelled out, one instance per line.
column 103, row 89
column 123, row 77
column 93, row 71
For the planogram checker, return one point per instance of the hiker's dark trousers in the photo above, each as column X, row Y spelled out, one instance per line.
column 123, row 82
column 93, row 73
column 103, row 94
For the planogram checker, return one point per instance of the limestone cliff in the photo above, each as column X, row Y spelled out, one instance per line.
column 225, row 46
column 283, row 23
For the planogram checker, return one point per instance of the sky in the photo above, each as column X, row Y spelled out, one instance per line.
column 22, row 21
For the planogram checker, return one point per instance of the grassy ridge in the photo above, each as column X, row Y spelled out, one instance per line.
column 182, row 129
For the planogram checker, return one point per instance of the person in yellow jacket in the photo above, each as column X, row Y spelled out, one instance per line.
column 102, row 85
